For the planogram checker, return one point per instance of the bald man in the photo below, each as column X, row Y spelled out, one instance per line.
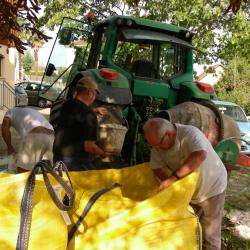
column 182, row 149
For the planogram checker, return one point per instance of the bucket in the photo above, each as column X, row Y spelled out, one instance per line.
column 112, row 137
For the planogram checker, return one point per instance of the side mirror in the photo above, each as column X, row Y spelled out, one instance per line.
column 65, row 36
column 50, row 69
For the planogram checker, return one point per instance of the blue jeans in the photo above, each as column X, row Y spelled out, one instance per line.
column 75, row 164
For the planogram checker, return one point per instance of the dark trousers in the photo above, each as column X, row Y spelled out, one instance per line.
column 75, row 164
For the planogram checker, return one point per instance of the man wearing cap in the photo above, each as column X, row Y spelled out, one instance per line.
column 182, row 149
column 76, row 132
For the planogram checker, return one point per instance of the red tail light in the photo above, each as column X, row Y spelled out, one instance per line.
column 204, row 87
column 109, row 74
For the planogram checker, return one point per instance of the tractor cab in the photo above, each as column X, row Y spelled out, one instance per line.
column 154, row 57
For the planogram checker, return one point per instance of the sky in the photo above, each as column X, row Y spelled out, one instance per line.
column 44, row 52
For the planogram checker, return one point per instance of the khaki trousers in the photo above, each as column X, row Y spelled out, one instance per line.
column 33, row 148
column 210, row 212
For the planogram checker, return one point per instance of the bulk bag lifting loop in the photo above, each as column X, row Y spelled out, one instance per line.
column 26, row 205
column 88, row 206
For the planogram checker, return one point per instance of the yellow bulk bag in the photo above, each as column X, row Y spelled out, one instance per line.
column 48, row 229
column 137, row 216
column 108, row 204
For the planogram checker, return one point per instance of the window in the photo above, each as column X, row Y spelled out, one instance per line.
column 150, row 54
column 128, row 53
column 1, row 64
column 234, row 112
column 24, row 85
column 97, row 48
column 172, row 60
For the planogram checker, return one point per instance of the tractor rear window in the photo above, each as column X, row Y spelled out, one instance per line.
column 150, row 54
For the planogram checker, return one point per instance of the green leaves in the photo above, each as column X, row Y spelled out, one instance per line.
column 28, row 62
column 215, row 32
column 16, row 18
column 235, row 83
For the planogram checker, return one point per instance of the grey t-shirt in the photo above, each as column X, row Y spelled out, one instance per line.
column 213, row 175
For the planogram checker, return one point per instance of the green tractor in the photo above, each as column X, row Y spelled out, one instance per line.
column 143, row 68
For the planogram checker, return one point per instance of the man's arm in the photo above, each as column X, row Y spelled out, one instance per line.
column 92, row 148
column 192, row 163
column 100, row 111
column 7, row 135
column 160, row 173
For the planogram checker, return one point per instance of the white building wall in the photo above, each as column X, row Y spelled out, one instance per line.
column 9, row 64
column 213, row 78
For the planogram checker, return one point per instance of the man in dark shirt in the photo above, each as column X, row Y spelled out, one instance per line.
column 77, row 128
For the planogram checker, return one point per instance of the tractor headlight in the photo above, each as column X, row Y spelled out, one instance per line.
column 188, row 34
column 129, row 22
column 119, row 21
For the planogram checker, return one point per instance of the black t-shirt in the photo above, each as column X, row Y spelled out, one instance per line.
column 77, row 123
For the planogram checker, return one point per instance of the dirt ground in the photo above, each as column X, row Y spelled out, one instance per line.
column 236, row 224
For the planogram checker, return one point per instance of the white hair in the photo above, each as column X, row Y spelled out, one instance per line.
column 158, row 126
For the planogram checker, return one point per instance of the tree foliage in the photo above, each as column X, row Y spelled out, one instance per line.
column 28, row 62
column 235, row 83
column 217, row 33
column 17, row 18
column 235, row 5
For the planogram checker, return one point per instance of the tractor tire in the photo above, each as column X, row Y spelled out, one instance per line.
column 218, row 114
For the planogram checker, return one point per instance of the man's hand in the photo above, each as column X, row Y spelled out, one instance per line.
column 168, row 182
column 100, row 111
column 106, row 154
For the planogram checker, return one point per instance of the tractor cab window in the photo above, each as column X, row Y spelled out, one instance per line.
column 68, row 56
column 172, row 60
column 97, row 48
column 150, row 54
column 135, row 58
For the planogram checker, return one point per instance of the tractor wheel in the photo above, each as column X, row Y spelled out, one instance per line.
column 218, row 114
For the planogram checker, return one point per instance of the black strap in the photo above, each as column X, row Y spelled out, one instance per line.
column 26, row 204
column 87, row 208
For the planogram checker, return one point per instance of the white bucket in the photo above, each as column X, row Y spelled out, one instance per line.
column 112, row 137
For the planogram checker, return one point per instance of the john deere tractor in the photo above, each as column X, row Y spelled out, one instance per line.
column 143, row 68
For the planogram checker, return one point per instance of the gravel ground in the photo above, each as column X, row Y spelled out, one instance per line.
column 238, row 199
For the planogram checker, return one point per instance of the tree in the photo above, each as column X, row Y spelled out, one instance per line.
column 235, row 5
column 215, row 31
column 235, row 83
column 27, row 62
column 19, row 16
column 36, row 44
